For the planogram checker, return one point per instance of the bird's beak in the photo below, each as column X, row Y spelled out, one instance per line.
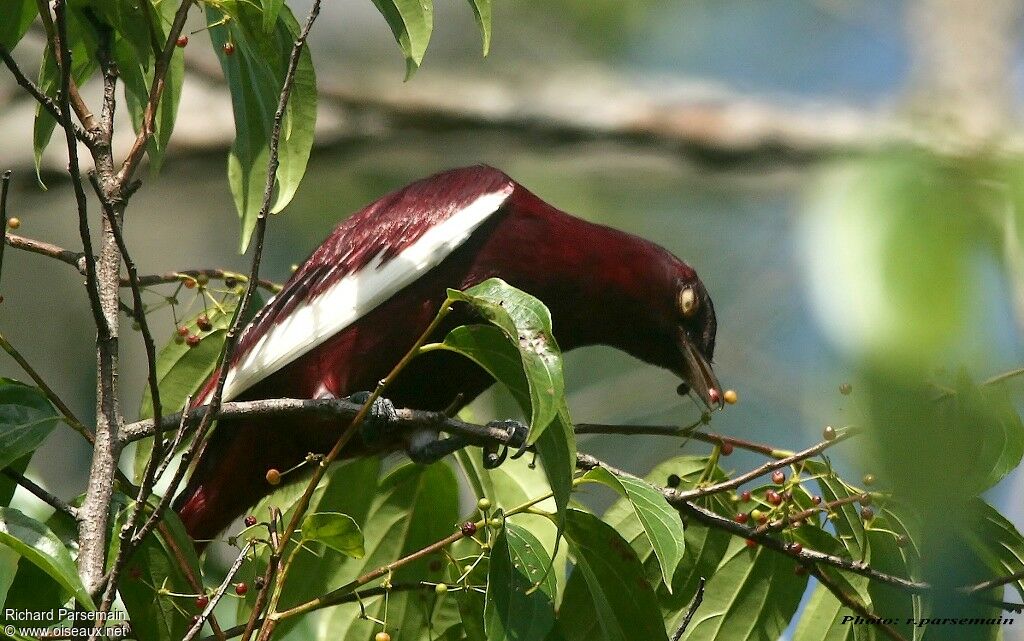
column 699, row 378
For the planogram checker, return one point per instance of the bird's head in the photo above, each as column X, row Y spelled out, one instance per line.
column 694, row 343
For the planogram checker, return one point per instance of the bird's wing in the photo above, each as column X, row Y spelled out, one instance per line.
column 366, row 260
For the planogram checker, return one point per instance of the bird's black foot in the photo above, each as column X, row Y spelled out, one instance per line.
column 494, row 455
column 381, row 423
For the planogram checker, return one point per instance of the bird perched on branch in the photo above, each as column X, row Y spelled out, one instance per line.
column 361, row 300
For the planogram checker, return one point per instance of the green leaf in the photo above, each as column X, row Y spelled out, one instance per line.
column 492, row 348
column 997, row 433
column 849, row 526
column 255, row 73
column 608, row 596
column 335, row 530
column 26, row 419
column 41, row 547
column 752, row 596
column 994, row 539
column 136, row 64
column 8, row 571
column 526, row 323
column 899, row 558
column 83, row 65
column 520, row 590
column 15, row 19
column 482, row 13
column 822, row 619
column 410, row 508
column 660, row 521
column 411, row 21
column 704, row 547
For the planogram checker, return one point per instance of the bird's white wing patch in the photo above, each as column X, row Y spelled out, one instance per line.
column 356, row 294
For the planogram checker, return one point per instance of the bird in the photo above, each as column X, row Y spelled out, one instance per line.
column 360, row 301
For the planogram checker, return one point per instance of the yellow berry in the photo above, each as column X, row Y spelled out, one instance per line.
column 730, row 396
column 382, row 636
column 13, row 223
column 483, row 504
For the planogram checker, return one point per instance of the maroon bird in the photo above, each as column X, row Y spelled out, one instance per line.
column 361, row 300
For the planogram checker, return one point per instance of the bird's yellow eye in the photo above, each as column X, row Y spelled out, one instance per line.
column 688, row 302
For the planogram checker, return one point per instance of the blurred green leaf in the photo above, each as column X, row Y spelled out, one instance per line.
column 520, row 590
column 41, row 547
column 7, row 484
column 995, row 540
column 411, row 21
column 26, row 419
column 608, row 596
column 15, row 19
column 255, row 71
column 753, row 595
column 482, row 13
column 661, row 522
column 335, row 530
column 822, row 619
column 8, row 571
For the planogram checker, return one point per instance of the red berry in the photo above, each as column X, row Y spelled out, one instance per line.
column 796, row 548
column 273, row 477
column 773, row 497
column 829, row 433
column 741, row 518
column 183, row 331
column 865, row 499
column 778, row 477
column 726, row 448
column 182, row 41
column 189, row 283
column 673, row 481
column 229, row 48
column 192, row 340
column 751, row 543
column 468, row 528
column 867, row 513
column 202, row 601
column 250, row 521
column 241, row 589
column 714, row 396
column 259, row 583
column 203, row 322
column 816, row 500
column 745, row 495
column 230, row 282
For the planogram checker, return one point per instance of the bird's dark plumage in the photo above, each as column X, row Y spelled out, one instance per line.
column 360, row 301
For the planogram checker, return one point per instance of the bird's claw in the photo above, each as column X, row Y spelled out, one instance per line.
column 495, row 454
column 379, row 426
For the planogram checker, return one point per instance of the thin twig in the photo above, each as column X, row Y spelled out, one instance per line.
column 218, row 594
column 985, row 586
column 41, row 494
column 268, row 577
column 841, row 435
column 77, row 260
column 5, row 183
column 686, row 431
column 698, row 598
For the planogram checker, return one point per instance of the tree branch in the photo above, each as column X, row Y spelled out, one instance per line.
column 41, row 494
column 48, row 103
